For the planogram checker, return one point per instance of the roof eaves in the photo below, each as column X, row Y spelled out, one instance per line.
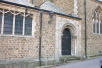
column 22, row 2
column 97, row 1
column 100, row 1
column 38, row 9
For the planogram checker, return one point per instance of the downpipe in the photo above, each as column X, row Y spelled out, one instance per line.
column 85, row 29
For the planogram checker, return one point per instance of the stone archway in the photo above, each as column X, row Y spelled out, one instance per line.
column 72, row 38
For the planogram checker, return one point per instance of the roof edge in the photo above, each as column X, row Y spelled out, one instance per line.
column 99, row 1
column 38, row 9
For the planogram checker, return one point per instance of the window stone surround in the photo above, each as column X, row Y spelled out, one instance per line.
column 22, row 10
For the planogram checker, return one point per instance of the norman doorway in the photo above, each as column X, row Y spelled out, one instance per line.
column 66, row 42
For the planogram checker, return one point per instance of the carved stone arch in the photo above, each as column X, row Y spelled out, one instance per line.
column 73, row 32
column 71, row 27
column 98, row 8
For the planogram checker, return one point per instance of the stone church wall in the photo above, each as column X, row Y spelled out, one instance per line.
column 15, row 47
column 23, row 48
column 93, row 40
column 20, row 50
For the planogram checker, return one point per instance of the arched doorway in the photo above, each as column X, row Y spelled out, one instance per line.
column 66, row 42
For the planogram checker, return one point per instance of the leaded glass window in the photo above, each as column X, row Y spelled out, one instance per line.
column 28, row 25
column 18, row 24
column 15, row 23
column 94, row 27
column 97, row 26
column 101, row 27
column 97, row 22
column 8, row 23
column 0, row 21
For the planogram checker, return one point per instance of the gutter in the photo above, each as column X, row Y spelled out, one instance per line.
column 85, row 29
column 37, row 9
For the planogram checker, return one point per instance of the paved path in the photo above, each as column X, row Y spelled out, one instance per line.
column 95, row 63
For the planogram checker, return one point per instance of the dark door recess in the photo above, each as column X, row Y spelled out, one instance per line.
column 66, row 42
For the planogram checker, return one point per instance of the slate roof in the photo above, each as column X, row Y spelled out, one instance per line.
column 51, row 7
column 22, row 2
column 100, row 0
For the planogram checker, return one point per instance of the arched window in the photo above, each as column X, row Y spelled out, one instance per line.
column 8, row 23
column 97, row 25
column 28, row 25
column 18, row 24
column 0, row 21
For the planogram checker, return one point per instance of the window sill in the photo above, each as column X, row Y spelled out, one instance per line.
column 16, row 35
column 97, row 34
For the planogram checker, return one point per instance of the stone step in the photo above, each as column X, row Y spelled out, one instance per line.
column 69, row 58
column 72, row 58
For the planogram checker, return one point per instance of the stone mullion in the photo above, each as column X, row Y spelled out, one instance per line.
column 2, row 22
column 96, row 30
column 24, row 24
column 14, row 23
column 93, row 25
column 99, row 22
column 96, row 23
